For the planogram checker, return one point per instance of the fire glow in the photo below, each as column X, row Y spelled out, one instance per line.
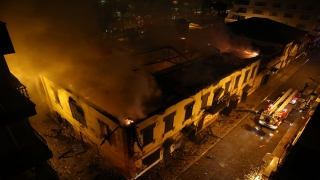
column 128, row 122
column 252, row 54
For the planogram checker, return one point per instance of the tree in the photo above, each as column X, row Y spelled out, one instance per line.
column 220, row 8
column 205, row 5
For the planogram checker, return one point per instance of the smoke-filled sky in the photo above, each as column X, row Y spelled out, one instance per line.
column 61, row 40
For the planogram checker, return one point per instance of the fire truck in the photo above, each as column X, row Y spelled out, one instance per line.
column 278, row 110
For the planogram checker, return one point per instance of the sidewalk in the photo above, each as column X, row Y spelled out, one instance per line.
column 185, row 157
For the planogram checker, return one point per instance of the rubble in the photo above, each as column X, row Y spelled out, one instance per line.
column 73, row 160
column 182, row 158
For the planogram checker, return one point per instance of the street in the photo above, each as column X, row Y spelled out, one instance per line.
column 239, row 155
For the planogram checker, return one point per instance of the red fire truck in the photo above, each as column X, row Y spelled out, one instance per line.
column 278, row 110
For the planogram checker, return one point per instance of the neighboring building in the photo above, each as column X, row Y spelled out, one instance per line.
column 300, row 14
column 24, row 153
column 193, row 94
column 279, row 44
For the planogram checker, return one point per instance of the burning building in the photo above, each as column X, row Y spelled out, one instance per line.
column 193, row 92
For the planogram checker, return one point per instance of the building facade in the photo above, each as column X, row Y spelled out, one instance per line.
column 279, row 44
column 300, row 14
column 24, row 153
column 133, row 146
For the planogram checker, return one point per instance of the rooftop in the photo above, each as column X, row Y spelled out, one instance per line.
column 267, row 30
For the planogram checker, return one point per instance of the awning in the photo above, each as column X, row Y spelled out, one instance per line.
column 274, row 69
column 216, row 108
column 234, row 97
column 246, row 88
column 168, row 142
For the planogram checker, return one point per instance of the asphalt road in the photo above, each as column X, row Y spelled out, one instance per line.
column 239, row 155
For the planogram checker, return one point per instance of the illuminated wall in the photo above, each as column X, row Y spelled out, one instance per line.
column 157, row 135
column 95, row 126
column 300, row 14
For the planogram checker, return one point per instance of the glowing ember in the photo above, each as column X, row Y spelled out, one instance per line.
column 252, row 54
column 128, row 121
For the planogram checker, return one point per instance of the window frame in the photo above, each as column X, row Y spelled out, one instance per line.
column 273, row 13
column 276, row 5
column 188, row 110
column 236, row 83
column 146, row 140
column 105, row 131
column 308, row 7
column 301, row 26
column 304, row 17
column 245, row 79
column 238, row 17
column 169, row 122
column 257, row 11
column 77, row 112
column 227, row 87
column 288, row 15
column 260, row 3
column 204, row 100
column 253, row 71
column 291, row 6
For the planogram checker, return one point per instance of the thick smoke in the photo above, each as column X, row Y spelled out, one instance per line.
column 61, row 40
column 220, row 36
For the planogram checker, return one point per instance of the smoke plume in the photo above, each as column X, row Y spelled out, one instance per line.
column 62, row 40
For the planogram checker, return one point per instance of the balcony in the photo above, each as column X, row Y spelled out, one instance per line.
column 15, row 103
column 24, row 148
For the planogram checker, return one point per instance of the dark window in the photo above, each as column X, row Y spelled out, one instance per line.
column 276, row 5
column 147, row 134
column 288, row 15
column 237, row 81
column 304, row 17
column 169, row 119
column 260, row 3
column 246, row 76
column 242, row 10
column 255, row 11
column 227, row 85
column 151, row 158
column 105, row 133
column 287, row 23
column 188, row 108
column 308, row 7
column 301, row 26
column 292, row 6
column 273, row 14
column 56, row 96
column 204, row 100
column 253, row 71
column 77, row 112
column 242, row 2
column 238, row 17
